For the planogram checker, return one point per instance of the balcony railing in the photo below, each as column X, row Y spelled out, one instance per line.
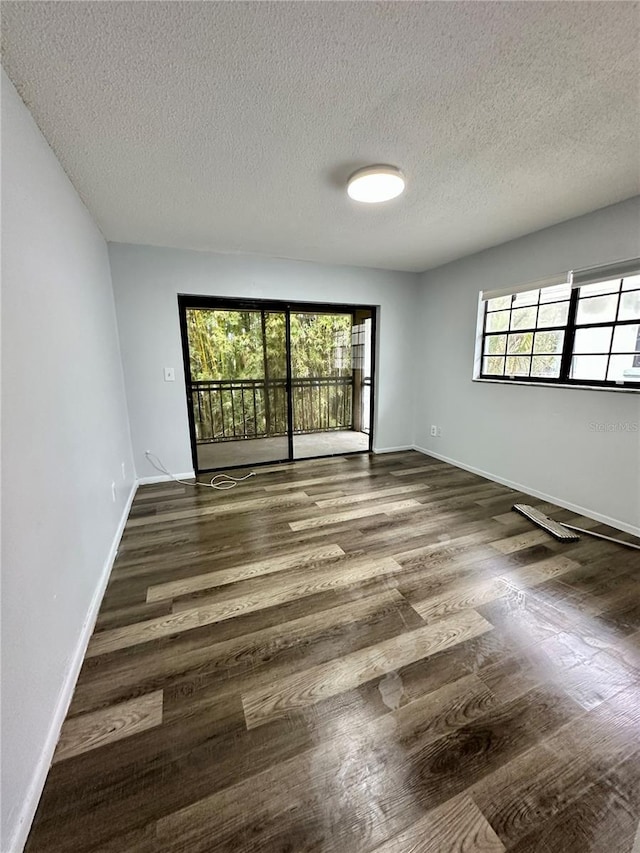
column 227, row 410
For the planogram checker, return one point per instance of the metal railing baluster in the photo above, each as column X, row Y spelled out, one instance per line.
column 321, row 404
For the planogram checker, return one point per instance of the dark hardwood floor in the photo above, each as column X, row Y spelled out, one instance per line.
column 358, row 654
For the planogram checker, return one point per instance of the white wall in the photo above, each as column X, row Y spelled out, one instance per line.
column 539, row 437
column 64, row 437
column 146, row 282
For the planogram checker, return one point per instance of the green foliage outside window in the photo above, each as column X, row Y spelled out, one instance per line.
column 234, row 345
column 251, row 345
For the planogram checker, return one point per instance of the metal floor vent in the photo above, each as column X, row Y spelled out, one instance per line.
column 553, row 527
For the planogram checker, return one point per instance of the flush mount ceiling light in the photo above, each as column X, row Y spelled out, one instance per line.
column 375, row 183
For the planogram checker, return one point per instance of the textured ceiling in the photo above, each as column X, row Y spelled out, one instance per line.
column 233, row 126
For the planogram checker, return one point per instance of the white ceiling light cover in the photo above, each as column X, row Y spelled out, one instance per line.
column 375, row 184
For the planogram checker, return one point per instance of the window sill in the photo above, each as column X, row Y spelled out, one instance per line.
column 617, row 390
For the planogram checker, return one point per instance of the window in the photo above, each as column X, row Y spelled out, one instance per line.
column 524, row 333
column 606, row 345
column 582, row 334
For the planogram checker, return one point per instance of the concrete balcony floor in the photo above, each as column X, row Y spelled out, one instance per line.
column 246, row 452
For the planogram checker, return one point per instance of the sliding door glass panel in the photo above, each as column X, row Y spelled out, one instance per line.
column 238, row 386
column 327, row 383
column 363, row 372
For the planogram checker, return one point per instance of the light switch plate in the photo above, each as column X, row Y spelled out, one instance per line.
column 169, row 374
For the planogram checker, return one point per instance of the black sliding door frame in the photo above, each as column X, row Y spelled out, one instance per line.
column 215, row 303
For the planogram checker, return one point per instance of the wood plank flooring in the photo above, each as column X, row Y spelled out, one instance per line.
column 366, row 654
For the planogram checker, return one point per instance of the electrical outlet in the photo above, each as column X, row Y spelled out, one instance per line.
column 439, row 431
column 169, row 374
column 124, row 471
column 113, row 491
column 434, row 430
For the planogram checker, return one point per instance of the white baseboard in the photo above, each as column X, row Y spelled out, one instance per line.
column 164, row 478
column 66, row 693
column 520, row 487
column 377, row 450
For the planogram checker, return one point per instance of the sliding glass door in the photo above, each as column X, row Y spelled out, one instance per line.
column 325, row 385
column 271, row 382
column 238, row 383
